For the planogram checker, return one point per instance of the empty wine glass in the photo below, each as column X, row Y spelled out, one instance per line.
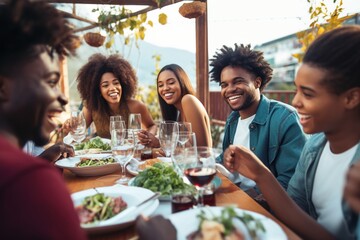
column 123, row 147
column 167, row 136
column 185, row 127
column 135, row 124
column 77, row 126
column 134, row 121
column 200, row 168
column 183, row 141
column 115, row 124
column 113, row 119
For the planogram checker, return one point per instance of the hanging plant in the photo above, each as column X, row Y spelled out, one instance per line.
column 192, row 10
column 126, row 23
column 94, row 39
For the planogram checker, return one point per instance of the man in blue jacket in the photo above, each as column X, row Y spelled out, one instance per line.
column 270, row 128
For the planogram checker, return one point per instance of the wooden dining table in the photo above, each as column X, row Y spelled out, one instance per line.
column 227, row 194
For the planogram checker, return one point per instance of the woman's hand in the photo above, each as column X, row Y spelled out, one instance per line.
column 244, row 161
column 148, row 139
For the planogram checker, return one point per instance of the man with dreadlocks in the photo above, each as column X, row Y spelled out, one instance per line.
column 34, row 201
column 269, row 128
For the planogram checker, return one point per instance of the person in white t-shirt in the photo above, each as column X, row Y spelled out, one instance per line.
column 328, row 103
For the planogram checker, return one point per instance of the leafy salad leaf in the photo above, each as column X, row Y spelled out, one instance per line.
column 96, row 142
column 162, row 178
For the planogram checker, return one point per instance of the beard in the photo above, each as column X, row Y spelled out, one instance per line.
column 249, row 100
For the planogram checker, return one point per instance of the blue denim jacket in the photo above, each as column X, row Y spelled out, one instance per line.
column 301, row 184
column 276, row 137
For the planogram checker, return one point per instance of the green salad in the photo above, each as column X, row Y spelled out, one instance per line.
column 93, row 143
column 162, row 178
column 86, row 162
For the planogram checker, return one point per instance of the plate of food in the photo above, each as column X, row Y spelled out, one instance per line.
column 92, row 146
column 201, row 223
column 135, row 166
column 89, row 164
column 161, row 177
column 100, row 209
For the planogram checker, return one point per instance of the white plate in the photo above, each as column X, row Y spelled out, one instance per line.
column 131, row 195
column 133, row 169
column 70, row 163
column 187, row 222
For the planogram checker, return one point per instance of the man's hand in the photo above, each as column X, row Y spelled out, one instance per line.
column 57, row 151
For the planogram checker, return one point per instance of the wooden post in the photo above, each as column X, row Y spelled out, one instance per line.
column 202, row 66
column 64, row 79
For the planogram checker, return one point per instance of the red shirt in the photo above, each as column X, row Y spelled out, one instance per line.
column 34, row 201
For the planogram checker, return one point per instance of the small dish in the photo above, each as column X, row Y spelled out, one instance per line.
column 70, row 164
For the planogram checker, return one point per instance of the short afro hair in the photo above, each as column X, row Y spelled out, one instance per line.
column 241, row 56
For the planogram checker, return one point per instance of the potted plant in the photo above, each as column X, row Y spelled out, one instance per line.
column 193, row 9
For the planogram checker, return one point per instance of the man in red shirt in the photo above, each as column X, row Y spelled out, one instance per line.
column 34, row 201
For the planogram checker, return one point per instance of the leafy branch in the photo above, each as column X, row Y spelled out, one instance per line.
column 120, row 20
column 322, row 20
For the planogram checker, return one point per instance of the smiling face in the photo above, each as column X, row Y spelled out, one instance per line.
column 169, row 87
column 319, row 109
column 34, row 99
column 110, row 88
column 240, row 89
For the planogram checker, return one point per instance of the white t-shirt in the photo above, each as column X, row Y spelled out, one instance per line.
column 328, row 190
column 242, row 137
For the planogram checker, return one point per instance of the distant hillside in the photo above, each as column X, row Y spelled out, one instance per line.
column 140, row 58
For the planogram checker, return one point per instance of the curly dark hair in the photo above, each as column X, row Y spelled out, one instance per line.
column 169, row 112
column 241, row 56
column 89, row 78
column 338, row 53
column 26, row 27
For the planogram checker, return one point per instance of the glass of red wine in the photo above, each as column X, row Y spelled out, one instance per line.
column 200, row 168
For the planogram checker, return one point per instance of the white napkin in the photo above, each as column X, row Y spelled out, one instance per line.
column 235, row 177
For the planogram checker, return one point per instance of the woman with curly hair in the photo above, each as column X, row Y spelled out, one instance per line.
column 271, row 129
column 34, row 200
column 107, row 86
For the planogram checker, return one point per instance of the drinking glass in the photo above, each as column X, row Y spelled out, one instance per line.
column 134, row 121
column 200, row 168
column 113, row 119
column 167, row 136
column 115, row 125
column 183, row 141
column 135, row 125
column 123, row 147
column 185, row 127
column 77, row 126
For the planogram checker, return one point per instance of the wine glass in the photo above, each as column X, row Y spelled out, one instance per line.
column 183, row 140
column 113, row 119
column 167, row 136
column 200, row 168
column 123, row 147
column 185, row 127
column 135, row 124
column 115, row 124
column 77, row 126
column 134, row 121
